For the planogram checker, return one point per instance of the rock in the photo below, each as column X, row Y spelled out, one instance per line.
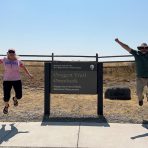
column 118, row 93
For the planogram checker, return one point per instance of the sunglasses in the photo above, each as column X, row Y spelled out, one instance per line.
column 140, row 48
column 11, row 51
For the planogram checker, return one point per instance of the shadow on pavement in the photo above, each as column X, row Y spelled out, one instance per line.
column 145, row 125
column 5, row 135
column 69, row 121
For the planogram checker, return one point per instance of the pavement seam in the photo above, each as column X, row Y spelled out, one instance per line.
column 31, row 147
column 3, row 137
column 78, row 135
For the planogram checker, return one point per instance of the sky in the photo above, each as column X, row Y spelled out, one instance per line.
column 84, row 27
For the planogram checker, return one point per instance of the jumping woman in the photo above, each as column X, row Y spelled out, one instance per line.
column 11, row 78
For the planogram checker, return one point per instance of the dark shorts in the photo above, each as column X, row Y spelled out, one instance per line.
column 8, row 85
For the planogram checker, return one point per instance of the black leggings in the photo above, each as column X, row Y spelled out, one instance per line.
column 7, row 86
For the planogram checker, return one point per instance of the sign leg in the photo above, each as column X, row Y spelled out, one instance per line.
column 47, row 75
column 100, row 88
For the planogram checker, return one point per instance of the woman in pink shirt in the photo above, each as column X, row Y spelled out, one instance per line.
column 12, row 78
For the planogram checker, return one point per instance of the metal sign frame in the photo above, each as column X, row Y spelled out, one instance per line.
column 47, row 86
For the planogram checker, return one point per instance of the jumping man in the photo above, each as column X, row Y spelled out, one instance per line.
column 141, row 60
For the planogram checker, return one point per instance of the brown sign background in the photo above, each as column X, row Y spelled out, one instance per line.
column 74, row 78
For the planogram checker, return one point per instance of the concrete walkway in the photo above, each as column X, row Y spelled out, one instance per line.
column 73, row 135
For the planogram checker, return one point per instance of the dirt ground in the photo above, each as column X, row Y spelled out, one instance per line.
column 31, row 105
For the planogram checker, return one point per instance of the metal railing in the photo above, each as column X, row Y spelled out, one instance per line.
column 96, row 57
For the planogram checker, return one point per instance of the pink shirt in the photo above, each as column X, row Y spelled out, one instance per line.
column 11, row 69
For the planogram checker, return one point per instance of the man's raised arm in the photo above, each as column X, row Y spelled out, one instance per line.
column 126, row 47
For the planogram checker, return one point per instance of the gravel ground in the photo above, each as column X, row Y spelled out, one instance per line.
column 74, row 106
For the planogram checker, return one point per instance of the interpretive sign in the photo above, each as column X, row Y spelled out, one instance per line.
column 74, row 77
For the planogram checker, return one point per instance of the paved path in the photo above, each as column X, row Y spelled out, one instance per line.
column 73, row 135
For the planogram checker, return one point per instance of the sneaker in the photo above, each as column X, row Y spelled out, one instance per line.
column 15, row 102
column 5, row 110
column 141, row 103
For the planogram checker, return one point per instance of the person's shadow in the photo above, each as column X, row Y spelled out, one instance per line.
column 145, row 125
column 5, row 135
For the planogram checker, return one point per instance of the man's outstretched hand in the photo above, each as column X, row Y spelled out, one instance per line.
column 123, row 45
column 117, row 40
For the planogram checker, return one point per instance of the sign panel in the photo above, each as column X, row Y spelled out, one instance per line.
column 74, row 78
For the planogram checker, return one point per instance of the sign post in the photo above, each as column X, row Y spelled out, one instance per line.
column 100, row 88
column 47, row 88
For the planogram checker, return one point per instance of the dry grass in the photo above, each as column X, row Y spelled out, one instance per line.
column 31, row 106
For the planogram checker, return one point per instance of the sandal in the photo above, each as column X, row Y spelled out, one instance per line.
column 5, row 110
column 15, row 102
